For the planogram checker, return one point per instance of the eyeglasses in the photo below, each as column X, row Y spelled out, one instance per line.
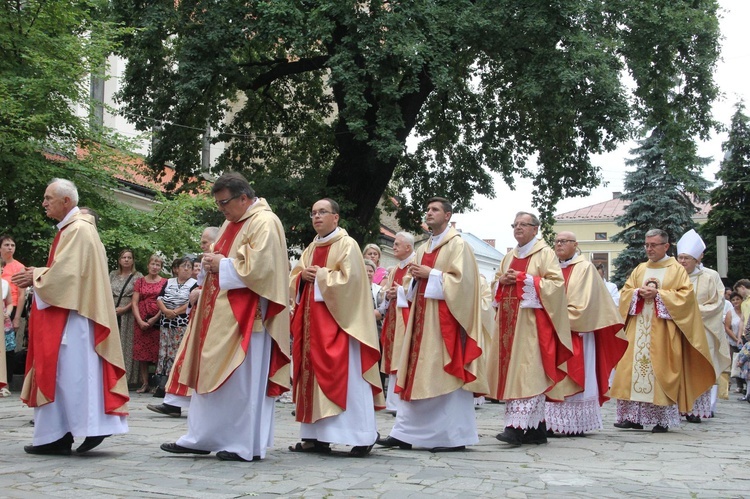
column 224, row 202
column 522, row 224
column 563, row 241
column 653, row 245
column 319, row 213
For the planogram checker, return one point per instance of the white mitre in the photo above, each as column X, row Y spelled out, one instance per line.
column 691, row 244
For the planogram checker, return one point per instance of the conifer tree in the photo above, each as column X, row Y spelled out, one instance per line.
column 659, row 199
column 730, row 200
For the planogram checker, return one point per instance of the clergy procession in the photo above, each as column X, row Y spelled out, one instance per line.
column 426, row 340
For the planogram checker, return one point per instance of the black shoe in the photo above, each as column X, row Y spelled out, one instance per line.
column 692, row 419
column 60, row 447
column 361, row 450
column 511, row 435
column 91, row 442
column 743, row 399
column 166, row 409
column 179, row 449
column 224, row 455
column 393, row 442
column 535, row 435
column 659, row 429
column 629, row 425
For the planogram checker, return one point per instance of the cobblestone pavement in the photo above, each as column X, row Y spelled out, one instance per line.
column 695, row 460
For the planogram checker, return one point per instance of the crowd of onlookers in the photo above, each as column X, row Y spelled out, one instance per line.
column 152, row 313
column 737, row 328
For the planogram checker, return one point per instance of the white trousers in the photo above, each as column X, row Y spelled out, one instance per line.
column 238, row 416
column 445, row 421
column 79, row 392
column 356, row 425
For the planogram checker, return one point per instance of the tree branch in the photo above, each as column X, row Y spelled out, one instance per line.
column 286, row 69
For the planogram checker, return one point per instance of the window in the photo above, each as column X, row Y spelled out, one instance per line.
column 600, row 236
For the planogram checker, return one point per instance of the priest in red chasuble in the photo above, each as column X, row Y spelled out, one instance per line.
column 335, row 341
column 598, row 344
column 75, row 375
column 533, row 341
column 396, row 314
column 441, row 364
column 667, row 365
column 235, row 353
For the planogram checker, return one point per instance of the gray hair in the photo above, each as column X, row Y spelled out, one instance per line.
column 370, row 263
column 407, row 237
column 211, row 233
column 658, row 233
column 65, row 188
column 534, row 218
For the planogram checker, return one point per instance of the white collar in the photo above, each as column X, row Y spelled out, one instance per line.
column 72, row 212
column 327, row 238
column 526, row 248
column 403, row 263
column 437, row 238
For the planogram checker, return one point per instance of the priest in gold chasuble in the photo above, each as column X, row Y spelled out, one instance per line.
column 667, row 365
column 235, row 353
column 441, row 364
column 335, row 350
column 533, row 341
column 598, row 344
column 75, row 375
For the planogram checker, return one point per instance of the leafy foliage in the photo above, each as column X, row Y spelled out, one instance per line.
column 730, row 200
column 659, row 199
column 318, row 98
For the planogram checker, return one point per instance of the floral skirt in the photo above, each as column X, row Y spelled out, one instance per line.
column 169, row 341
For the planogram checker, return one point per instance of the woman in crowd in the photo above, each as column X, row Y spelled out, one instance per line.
column 147, row 314
column 173, row 303
column 10, row 268
column 122, row 281
column 10, row 334
column 372, row 252
column 733, row 325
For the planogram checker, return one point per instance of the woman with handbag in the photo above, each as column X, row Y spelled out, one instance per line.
column 122, row 281
column 147, row 315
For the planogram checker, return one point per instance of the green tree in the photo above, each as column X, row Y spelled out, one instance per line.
column 48, row 49
column 319, row 98
column 730, row 200
column 661, row 196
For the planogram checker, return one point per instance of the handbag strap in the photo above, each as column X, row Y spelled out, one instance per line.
column 123, row 289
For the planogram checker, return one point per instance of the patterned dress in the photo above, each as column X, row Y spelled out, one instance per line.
column 126, row 320
column 174, row 295
column 146, row 342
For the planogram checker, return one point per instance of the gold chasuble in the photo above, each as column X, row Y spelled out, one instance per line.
column 322, row 331
column 76, row 278
column 668, row 361
column 444, row 341
column 394, row 324
column 709, row 292
column 531, row 345
column 590, row 310
column 218, row 336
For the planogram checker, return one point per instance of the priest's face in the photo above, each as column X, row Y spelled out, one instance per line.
column 688, row 262
column 324, row 220
column 656, row 249
column 56, row 205
column 565, row 245
column 401, row 249
column 436, row 217
column 206, row 241
column 524, row 229
column 233, row 207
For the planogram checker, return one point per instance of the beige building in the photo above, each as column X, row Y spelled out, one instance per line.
column 594, row 226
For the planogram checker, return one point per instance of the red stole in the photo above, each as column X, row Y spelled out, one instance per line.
column 388, row 332
column 462, row 350
column 320, row 349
